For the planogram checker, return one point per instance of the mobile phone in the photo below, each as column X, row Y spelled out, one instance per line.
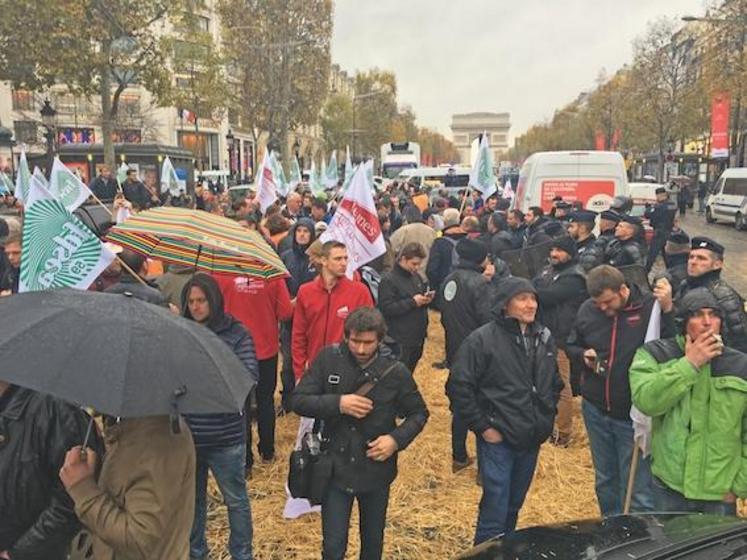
column 430, row 293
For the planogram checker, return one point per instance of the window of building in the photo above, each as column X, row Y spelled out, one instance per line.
column 26, row 132
column 23, row 100
column 203, row 23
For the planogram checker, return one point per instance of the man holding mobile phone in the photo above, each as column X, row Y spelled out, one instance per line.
column 404, row 300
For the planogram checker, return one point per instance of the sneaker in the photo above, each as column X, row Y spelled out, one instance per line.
column 457, row 466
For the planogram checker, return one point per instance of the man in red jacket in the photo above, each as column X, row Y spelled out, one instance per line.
column 260, row 305
column 322, row 306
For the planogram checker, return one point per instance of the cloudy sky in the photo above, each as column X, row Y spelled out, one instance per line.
column 526, row 57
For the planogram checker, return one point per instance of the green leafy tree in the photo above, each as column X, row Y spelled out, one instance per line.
column 375, row 109
column 337, row 122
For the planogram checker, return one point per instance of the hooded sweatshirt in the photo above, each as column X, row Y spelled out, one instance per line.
column 296, row 260
column 220, row 430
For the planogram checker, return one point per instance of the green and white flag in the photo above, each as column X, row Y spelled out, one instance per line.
column 278, row 172
column 6, row 185
column 169, row 181
column 349, row 171
column 315, row 180
column 122, row 174
column 23, row 178
column 368, row 166
column 67, row 187
column 40, row 177
column 59, row 251
column 295, row 175
column 331, row 176
column 482, row 177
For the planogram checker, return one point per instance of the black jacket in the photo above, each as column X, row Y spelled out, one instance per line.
column 676, row 268
column 10, row 278
column 441, row 256
column 149, row 293
column 624, row 253
column 536, row 234
column 297, row 261
column 615, row 340
column 500, row 242
column 37, row 517
column 734, row 326
column 561, row 290
column 508, row 381
column 661, row 216
column 406, row 322
column 137, row 193
column 335, row 372
column 105, row 189
column 593, row 255
column 465, row 305
column 518, row 236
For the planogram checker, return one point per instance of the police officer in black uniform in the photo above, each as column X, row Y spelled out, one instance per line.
column 661, row 217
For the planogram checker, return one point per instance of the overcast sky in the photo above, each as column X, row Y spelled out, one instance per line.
column 527, row 57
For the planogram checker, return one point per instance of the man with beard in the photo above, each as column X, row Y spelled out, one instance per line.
column 581, row 228
column 625, row 250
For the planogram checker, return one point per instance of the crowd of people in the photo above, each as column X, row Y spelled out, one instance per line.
column 519, row 347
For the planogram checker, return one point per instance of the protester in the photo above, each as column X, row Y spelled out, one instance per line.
column 12, row 248
column 516, row 227
column 319, row 211
column 561, row 289
column 36, row 430
column 220, row 439
column 609, row 328
column 442, row 255
column 139, row 287
column 625, row 250
column 465, row 306
column 362, row 432
column 322, row 306
column 704, row 265
column 488, row 389
column 535, row 221
column 292, row 209
column 416, row 231
column 144, row 501
column 500, row 238
column 104, row 186
column 301, row 270
column 694, row 389
column 384, row 262
column 260, row 305
column 403, row 301
column 661, row 216
column 136, row 192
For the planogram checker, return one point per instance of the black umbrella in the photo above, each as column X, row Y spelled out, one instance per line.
column 118, row 355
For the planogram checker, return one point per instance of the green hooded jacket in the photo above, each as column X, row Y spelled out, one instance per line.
column 699, row 418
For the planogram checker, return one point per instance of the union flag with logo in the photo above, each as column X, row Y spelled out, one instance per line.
column 356, row 224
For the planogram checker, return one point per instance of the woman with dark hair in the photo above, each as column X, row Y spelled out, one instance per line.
column 220, row 439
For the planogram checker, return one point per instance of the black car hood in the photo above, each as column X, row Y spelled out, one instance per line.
column 625, row 537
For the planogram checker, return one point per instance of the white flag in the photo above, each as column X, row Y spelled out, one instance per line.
column 169, row 181
column 295, row 175
column 508, row 190
column 266, row 187
column 356, row 224
column 315, row 180
column 482, row 177
column 67, row 187
column 279, row 175
column 331, row 177
column 59, row 251
column 23, row 178
column 6, row 185
column 641, row 422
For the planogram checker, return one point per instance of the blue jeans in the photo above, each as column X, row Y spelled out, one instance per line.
column 336, row 507
column 506, row 474
column 611, row 443
column 227, row 466
column 670, row 500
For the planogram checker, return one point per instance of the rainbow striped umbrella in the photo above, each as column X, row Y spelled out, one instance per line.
column 196, row 238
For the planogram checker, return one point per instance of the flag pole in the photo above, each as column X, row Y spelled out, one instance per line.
column 464, row 200
column 132, row 272
column 631, row 478
column 98, row 200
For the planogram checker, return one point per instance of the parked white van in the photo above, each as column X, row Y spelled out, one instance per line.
column 594, row 178
column 728, row 201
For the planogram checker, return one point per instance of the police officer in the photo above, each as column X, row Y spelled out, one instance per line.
column 580, row 228
column 624, row 250
column 661, row 217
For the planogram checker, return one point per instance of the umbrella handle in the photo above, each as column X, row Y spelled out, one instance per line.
column 174, row 416
column 83, row 451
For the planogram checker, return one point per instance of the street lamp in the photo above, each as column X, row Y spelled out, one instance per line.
column 356, row 98
column 230, row 138
column 48, row 115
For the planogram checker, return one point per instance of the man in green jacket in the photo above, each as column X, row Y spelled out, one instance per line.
column 695, row 390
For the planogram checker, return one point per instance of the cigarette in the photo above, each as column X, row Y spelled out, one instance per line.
column 718, row 339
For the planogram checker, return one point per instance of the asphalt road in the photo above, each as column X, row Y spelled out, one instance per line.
column 735, row 243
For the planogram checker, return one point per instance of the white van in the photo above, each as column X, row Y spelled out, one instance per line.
column 728, row 201
column 594, row 178
column 642, row 194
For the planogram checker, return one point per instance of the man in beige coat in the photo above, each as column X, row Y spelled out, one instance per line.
column 142, row 506
column 414, row 231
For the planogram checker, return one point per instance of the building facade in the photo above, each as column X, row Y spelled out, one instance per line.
column 466, row 127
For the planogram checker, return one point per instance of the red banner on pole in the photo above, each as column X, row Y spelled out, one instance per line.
column 599, row 141
column 720, row 109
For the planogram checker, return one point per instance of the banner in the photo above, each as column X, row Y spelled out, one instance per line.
column 40, row 177
column 482, row 177
column 331, row 176
column 720, row 109
column 23, row 178
column 169, row 181
column 59, row 251
column 594, row 194
column 600, row 143
column 266, row 187
column 6, row 185
column 356, row 224
column 67, row 187
column 315, row 180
